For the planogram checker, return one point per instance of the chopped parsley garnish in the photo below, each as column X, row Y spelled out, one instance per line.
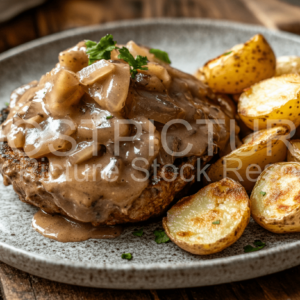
column 161, row 236
column 127, row 256
column 259, row 245
column 263, row 193
column 7, row 103
column 101, row 50
column 227, row 53
column 217, row 222
column 109, row 117
column 162, row 55
column 135, row 64
column 139, row 232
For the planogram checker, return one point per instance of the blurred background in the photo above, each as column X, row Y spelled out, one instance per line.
column 25, row 20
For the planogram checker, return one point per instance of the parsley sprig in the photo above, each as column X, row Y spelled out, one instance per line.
column 139, row 232
column 259, row 245
column 161, row 236
column 127, row 256
column 134, row 63
column 162, row 55
column 101, row 50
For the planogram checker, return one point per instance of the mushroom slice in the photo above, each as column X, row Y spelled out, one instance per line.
column 102, row 127
column 95, row 72
column 159, row 71
column 74, row 59
column 51, row 135
column 108, row 84
column 83, row 152
column 66, row 91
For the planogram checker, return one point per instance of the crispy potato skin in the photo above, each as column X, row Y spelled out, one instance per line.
column 226, row 188
column 240, row 162
column 275, row 99
column 279, row 209
column 241, row 66
column 294, row 151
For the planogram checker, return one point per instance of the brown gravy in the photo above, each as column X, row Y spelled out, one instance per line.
column 64, row 229
column 85, row 104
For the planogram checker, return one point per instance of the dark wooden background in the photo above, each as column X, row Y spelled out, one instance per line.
column 59, row 15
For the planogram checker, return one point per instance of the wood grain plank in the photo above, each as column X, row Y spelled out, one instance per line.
column 272, row 287
column 236, row 10
column 49, row 290
column 248, row 290
column 289, row 281
column 217, row 292
column 276, row 14
column 17, row 31
column 178, row 294
column 15, row 284
column 18, row 285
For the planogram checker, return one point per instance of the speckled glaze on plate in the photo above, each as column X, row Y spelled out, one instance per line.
column 98, row 263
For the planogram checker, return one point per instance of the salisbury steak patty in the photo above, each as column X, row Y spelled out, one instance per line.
column 25, row 175
column 104, row 143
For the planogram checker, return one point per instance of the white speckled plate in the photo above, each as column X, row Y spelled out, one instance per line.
column 98, row 263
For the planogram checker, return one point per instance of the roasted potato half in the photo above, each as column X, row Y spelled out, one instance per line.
column 276, row 99
column 211, row 220
column 241, row 66
column 287, row 65
column 294, row 151
column 275, row 198
column 245, row 163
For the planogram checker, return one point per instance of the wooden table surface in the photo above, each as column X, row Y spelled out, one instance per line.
column 58, row 15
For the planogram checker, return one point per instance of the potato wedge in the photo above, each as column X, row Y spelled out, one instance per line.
column 211, row 220
column 276, row 99
column 246, row 162
column 294, row 151
column 287, row 65
column 241, row 66
column 275, row 198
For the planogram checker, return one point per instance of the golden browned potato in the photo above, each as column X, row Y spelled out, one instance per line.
column 211, row 220
column 294, row 151
column 287, row 65
column 246, row 162
column 241, row 66
column 276, row 99
column 275, row 198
